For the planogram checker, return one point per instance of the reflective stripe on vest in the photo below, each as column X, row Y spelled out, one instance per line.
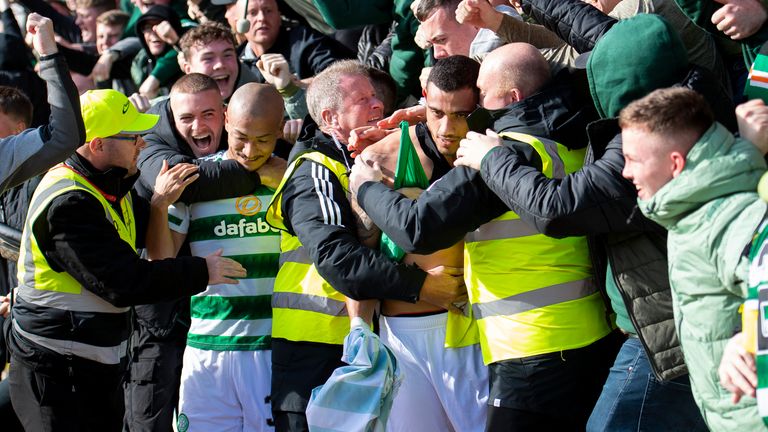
column 106, row 355
column 304, row 306
column 532, row 294
column 43, row 286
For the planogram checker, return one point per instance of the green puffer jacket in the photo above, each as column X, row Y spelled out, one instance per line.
column 711, row 211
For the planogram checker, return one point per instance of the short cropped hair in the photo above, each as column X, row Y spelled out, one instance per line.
column 203, row 35
column 323, row 92
column 104, row 5
column 15, row 104
column 455, row 73
column 427, row 7
column 113, row 18
column 668, row 111
column 194, row 83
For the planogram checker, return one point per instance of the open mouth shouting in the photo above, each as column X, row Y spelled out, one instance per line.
column 204, row 143
column 223, row 81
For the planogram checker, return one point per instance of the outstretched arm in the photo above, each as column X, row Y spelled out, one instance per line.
column 593, row 200
column 35, row 150
column 453, row 206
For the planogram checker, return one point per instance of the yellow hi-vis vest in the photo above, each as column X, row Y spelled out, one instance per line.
column 41, row 285
column 532, row 294
column 305, row 308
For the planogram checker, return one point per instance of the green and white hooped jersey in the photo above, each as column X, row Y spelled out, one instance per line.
column 232, row 317
column 757, row 304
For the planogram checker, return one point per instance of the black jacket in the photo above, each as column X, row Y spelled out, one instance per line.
column 76, row 238
column 578, row 23
column 461, row 201
column 330, row 237
column 307, row 51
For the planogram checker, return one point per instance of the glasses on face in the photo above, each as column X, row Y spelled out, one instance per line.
column 134, row 138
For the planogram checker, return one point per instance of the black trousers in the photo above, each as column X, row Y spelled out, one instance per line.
column 554, row 391
column 297, row 368
column 152, row 387
column 72, row 395
column 8, row 417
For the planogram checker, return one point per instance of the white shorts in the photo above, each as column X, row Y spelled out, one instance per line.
column 444, row 389
column 225, row 391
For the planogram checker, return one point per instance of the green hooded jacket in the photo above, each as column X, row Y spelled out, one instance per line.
column 711, row 211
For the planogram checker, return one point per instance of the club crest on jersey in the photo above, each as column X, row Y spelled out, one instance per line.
column 248, row 205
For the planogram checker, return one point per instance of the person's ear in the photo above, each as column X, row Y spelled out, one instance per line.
column 329, row 118
column 96, row 146
column 19, row 127
column 183, row 63
column 514, row 95
column 678, row 163
column 226, row 119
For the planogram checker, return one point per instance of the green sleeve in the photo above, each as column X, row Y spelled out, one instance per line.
column 407, row 58
column 167, row 68
column 130, row 28
column 295, row 102
column 341, row 14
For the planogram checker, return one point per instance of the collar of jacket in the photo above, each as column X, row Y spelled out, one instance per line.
column 112, row 183
column 281, row 46
column 601, row 132
column 313, row 139
column 554, row 112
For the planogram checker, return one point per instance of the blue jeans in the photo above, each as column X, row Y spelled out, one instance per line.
column 633, row 399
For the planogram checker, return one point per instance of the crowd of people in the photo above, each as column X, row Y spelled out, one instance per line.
column 401, row 215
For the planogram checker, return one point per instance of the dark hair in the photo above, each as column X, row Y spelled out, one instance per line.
column 203, row 35
column 385, row 87
column 14, row 103
column 428, row 7
column 455, row 73
column 669, row 111
column 194, row 83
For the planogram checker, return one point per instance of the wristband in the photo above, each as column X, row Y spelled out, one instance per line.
column 49, row 56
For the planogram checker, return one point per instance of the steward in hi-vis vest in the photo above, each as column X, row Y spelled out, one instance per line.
column 321, row 262
column 79, row 272
column 301, row 295
column 543, row 326
column 553, row 303
column 322, row 258
column 537, row 307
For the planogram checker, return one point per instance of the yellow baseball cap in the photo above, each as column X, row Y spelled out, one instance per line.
column 109, row 112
